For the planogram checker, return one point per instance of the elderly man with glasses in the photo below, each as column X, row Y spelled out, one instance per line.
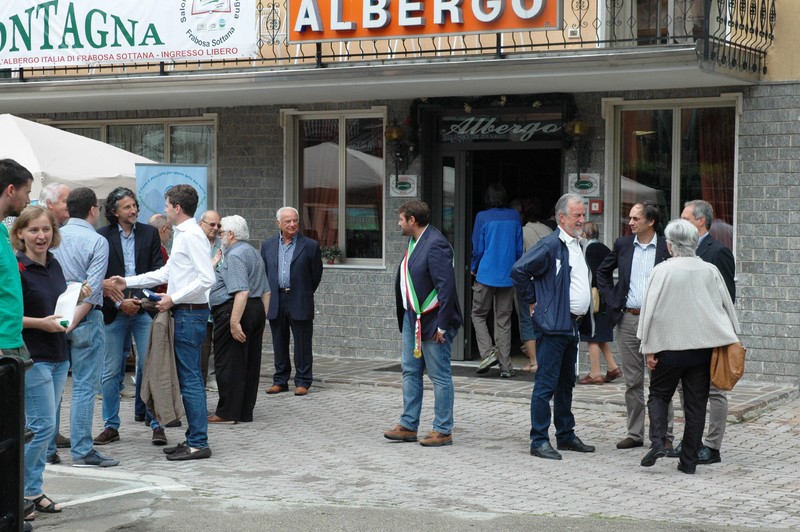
column 238, row 299
column 210, row 224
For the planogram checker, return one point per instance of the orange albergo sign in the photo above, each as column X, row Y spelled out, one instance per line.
column 342, row 20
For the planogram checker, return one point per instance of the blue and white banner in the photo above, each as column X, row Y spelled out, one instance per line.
column 36, row 33
column 153, row 181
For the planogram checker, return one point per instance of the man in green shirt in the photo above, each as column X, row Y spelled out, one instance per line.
column 15, row 186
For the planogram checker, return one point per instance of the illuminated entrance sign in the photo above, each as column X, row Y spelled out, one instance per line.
column 337, row 20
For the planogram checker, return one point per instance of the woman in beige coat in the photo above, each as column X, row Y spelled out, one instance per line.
column 686, row 312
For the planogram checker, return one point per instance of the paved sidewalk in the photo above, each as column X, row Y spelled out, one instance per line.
column 745, row 401
column 326, row 450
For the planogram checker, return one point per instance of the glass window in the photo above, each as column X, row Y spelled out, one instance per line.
column 677, row 154
column 191, row 144
column 707, row 154
column 341, row 169
column 146, row 140
column 646, row 164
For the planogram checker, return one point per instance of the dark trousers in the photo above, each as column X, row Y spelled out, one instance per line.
column 664, row 380
column 238, row 365
column 555, row 379
column 302, row 331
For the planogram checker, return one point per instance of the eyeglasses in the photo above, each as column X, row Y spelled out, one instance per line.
column 209, row 224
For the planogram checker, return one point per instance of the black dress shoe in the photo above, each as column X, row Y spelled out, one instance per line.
column 545, row 450
column 686, row 469
column 707, row 455
column 653, row 455
column 575, row 445
column 138, row 418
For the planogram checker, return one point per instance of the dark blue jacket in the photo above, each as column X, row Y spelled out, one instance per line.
column 305, row 274
column 536, row 280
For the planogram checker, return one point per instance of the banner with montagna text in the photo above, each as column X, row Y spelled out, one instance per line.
column 86, row 32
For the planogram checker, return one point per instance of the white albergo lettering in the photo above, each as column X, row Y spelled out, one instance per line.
column 495, row 7
column 336, row 17
column 376, row 14
column 451, row 6
column 308, row 15
column 405, row 9
column 532, row 12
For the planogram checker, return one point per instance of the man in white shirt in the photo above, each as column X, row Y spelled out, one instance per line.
column 188, row 275
column 552, row 278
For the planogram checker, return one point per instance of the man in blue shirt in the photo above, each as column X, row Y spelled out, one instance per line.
column 83, row 255
column 496, row 246
column 133, row 248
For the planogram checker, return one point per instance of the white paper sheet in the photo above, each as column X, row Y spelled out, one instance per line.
column 67, row 302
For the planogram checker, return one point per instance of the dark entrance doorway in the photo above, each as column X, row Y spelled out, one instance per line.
column 529, row 173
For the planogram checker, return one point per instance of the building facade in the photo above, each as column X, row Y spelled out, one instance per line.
column 668, row 100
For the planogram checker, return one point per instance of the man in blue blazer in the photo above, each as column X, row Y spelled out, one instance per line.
column 700, row 214
column 133, row 248
column 429, row 317
column 294, row 271
column 634, row 256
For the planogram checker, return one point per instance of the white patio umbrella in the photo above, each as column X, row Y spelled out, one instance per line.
column 56, row 156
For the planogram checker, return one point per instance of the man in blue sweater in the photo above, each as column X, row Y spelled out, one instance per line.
column 496, row 245
column 553, row 278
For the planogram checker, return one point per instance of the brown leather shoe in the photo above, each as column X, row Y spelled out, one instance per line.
column 277, row 388
column 436, row 439
column 588, row 379
column 216, row 419
column 107, row 436
column 400, row 433
column 629, row 443
column 613, row 375
column 301, row 390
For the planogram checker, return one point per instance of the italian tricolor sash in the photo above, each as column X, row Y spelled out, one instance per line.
column 407, row 287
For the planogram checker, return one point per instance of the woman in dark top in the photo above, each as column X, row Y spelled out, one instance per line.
column 596, row 251
column 34, row 234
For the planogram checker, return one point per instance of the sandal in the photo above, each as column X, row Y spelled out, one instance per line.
column 51, row 508
column 530, row 368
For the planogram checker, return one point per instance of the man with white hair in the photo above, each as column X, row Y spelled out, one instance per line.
column 294, row 270
column 238, row 301
column 54, row 197
column 553, row 278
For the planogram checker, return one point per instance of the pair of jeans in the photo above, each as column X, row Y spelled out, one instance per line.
column 87, row 347
column 436, row 358
column 527, row 329
column 556, row 355
column 118, row 332
column 44, row 383
column 190, row 332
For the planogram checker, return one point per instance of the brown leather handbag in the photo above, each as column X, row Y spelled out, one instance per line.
column 727, row 365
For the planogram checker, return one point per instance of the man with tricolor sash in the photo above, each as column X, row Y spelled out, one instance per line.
column 429, row 317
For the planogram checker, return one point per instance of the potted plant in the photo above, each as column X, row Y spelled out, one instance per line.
column 331, row 254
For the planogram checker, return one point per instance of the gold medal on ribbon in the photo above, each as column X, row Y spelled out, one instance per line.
column 417, row 352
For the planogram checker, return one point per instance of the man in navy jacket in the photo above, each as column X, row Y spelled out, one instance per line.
column 429, row 317
column 553, row 278
column 294, row 270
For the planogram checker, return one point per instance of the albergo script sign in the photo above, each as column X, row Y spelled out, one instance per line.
column 337, row 20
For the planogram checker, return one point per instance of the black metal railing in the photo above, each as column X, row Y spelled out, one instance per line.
column 728, row 34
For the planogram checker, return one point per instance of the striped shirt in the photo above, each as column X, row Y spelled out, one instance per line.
column 83, row 255
column 644, row 259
